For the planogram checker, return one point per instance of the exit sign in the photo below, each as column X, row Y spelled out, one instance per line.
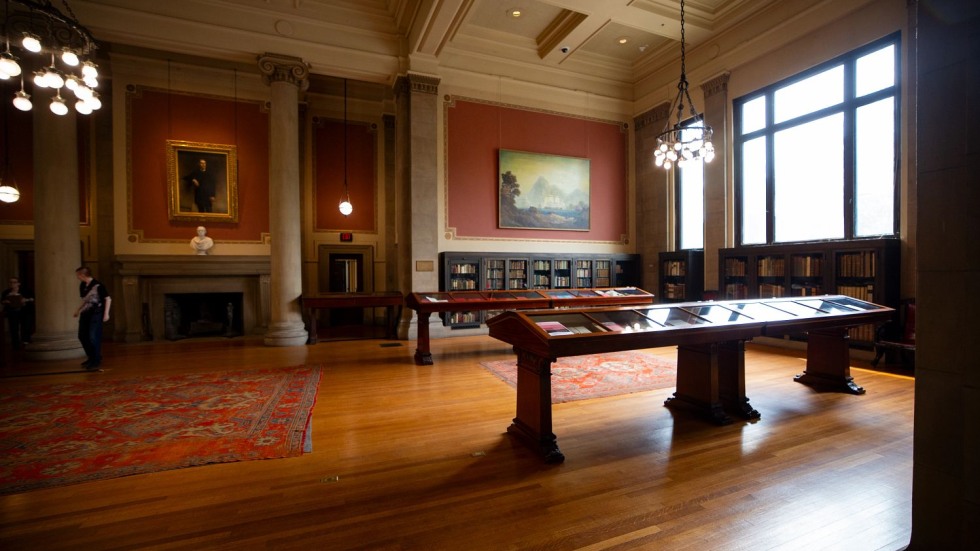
column 346, row 237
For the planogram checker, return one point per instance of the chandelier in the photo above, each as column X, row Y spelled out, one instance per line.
column 681, row 144
column 52, row 50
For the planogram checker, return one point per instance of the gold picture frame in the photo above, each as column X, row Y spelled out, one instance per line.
column 188, row 186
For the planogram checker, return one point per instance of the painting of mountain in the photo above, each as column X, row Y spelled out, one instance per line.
column 541, row 191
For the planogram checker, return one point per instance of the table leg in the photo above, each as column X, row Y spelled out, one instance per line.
column 731, row 379
column 533, row 421
column 828, row 361
column 311, row 323
column 422, row 354
column 698, row 382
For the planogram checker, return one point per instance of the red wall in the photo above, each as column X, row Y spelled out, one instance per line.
column 476, row 133
column 328, row 174
column 158, row 116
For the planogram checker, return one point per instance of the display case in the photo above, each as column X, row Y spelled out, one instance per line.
column 474, row 306
column 710, row 339
column 681, row 275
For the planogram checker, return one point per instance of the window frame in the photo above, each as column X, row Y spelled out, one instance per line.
column 849, row 108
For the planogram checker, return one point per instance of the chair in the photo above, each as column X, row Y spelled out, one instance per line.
column 897, row 335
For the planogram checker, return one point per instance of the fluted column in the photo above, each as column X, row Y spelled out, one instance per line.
column 286, row 76
column 57, row 243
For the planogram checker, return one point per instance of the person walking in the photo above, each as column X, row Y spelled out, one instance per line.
column 91, row 314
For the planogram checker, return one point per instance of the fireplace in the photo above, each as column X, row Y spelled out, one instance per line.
column 174, row 297
column 188, row 315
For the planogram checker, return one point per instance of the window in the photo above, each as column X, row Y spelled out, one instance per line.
column 689, row 182
column 816, row 154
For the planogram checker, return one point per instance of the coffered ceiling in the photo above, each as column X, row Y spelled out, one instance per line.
column 603, row 46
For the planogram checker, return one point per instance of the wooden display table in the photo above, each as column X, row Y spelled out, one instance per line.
column 425, row 304
column 710, row 339
column 391, row 301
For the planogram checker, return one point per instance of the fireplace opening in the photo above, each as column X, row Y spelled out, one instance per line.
column 188, row 315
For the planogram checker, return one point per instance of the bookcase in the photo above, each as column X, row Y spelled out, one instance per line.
column 866, row 269
column 681, row 275
column 514, row 271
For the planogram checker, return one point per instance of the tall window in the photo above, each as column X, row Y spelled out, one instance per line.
column 689, row 181
column 816, row 154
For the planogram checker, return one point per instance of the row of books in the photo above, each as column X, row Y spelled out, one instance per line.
column 675, row 267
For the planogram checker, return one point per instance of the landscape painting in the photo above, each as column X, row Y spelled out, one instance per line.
column 543, row 192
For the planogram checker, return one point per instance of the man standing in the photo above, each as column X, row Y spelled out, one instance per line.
column 16, row 307
column 91, row 314
column 204, row 186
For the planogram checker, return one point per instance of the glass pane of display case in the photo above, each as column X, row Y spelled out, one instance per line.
column 436, row 297
column 566, row 324
column 585, row 293
column 672, row 317
column 854, row 303
column 475, row 295
column 717, row 314
column 758, row 311
column 829, row 306
column 560, row 294
column 797, row 309
column 526, row 295
column 626, row 321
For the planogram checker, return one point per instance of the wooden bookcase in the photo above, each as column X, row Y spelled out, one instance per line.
column 510, row 271
column 681, row 276
column 866, row 269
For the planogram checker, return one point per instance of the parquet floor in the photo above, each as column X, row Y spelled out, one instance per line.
column 409, row 457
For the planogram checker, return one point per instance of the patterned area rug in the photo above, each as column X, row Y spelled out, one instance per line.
column 599, row 375
column 64, row 434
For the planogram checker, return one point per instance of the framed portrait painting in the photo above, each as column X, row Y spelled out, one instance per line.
column 202, row 181
column 540, row 191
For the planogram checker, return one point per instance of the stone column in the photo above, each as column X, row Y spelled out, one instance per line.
column 57, row 241
column 654, row 208
column 717, row 222
column 286, row 76
column 417, row 102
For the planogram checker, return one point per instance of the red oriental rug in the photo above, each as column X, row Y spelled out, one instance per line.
column 62, row 434
column 598, row 375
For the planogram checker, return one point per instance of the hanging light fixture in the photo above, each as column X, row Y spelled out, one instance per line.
column 682, row 144
column 43, row 32
column 345, row 207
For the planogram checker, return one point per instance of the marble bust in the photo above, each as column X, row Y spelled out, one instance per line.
column 202, row 243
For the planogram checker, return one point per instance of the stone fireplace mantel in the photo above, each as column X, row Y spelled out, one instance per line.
column 148, row 279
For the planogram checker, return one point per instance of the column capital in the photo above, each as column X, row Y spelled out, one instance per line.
column 717, row 85
column 417, row 82
column 656, row 115
column 284, row 68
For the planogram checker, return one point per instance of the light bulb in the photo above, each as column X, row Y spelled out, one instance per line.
column 31, row 43
column 22, row 101
column 53, row 78
column 58, row 106
column 39, row 80
column 4, row 76
column 9, row 65
column 658, row 160
column 69, row 57
column 677, row 146
column 91, row 82
column 94, row 102
column 83, row 108
column 83, row 92
column 9, row 194
column 346, row 208
column 663, row 147
column 90, row 69
column 72, row 82
column 671, row 155
column 667, row 164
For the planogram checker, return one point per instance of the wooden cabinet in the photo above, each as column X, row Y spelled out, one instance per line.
column 681, row 275
column 510, row 271
column 867, row 269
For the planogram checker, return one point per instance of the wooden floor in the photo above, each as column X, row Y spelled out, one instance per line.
column 409, row 457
